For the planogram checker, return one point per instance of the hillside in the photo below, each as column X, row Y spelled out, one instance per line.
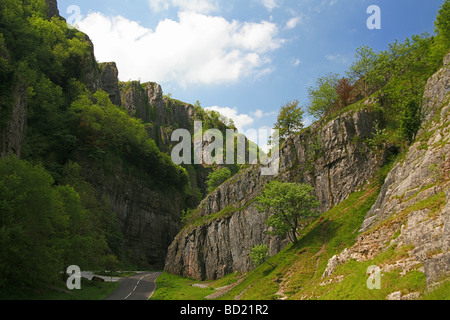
column 379, row 168
column 86, row 176
column 396, row 220
column 97, row 149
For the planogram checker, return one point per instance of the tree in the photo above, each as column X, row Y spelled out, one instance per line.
column 323, row 96
column 364, row 64
column 411, row 120
column 288, row 204
column 344, row 91
column 290, row 119
column 216, row 178
column 443, row 21
column 259, row 255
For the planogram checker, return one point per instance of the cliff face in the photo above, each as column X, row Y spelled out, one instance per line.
column 149, row 219
column 413, row 208
column 333, row 158
column 14, row 133
column 145, row 101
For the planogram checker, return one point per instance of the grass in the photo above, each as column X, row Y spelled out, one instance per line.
column 89, row 291
column 296, row 272
column 172, row 287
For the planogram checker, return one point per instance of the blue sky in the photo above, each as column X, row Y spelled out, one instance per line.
column 245, row 58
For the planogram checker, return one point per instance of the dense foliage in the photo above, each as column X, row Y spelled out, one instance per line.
column 43, row 227
column 50, row 216
column 217, row 177
column 393, row 81
column 288, row 206
column 290, row 119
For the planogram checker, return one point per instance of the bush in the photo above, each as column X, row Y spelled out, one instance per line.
column 216, row 178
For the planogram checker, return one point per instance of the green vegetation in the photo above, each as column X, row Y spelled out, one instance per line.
column 171, row 287
column 259, row 255
column 323, row 95
column 390, row 81
column 217, row 177
column 290, row 119
column 289, row 205
column 50, row 215
column 43, row 228
column 90, row 290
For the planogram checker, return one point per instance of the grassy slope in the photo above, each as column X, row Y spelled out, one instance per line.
column 296, row 272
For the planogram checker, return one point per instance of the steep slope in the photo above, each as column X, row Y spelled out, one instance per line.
column 334, row 158
column 413, row 209
column 53, row 113
column 397, row 224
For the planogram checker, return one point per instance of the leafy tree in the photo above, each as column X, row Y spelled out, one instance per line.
column 345, row 92
column 217, row 177
column 29, row 217
column 287, row 204
column 43, row 228
column 259, row 255
column 443, row 21
column 411, row 120
column 290, row 119
column 363, row 65
column 323, row 96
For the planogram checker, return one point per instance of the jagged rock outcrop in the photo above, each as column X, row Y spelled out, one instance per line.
column 52, row 9
column 333, row 158
column 149, row 219
column 14, row 133
column 413, row 208
column 109, row 81
column 146, row 101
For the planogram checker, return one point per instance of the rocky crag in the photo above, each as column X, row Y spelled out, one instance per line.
column 334, row 158
column 148, row 218
column 413, row 208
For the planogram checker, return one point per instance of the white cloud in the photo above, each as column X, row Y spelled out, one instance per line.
column 292, row 23
column 200, row 6
column 337, row 58
column 269, row 4
column 297, row 62
column 196, row 49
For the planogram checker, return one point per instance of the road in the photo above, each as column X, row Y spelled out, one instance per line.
column 138, row 287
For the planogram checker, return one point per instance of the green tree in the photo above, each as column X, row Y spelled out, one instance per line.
column 217, row 177
column 29, row 219
column 443, row 21
column 290, row 119
column 363, row 65
column 411, row 120
column 259, row 255
column 288, row 204
column 323, row 96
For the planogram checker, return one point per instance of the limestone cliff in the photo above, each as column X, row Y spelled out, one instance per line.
column 333, row 158
column 13, row 135
column 413, row 208
column 146, row 101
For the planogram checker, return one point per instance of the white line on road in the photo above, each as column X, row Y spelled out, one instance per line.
column 136, row 286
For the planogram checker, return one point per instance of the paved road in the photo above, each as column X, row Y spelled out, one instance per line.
column 138, row 287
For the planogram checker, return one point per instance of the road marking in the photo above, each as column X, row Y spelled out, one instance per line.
column 136, row 286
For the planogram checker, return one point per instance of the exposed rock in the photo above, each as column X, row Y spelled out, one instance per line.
column 52, row 9
column 146, row 101
column 148, row 219
column 97, row 279
column 415, row 198
column 333, row 158
column 14, row 133
column 109, row 81
column 395, row 296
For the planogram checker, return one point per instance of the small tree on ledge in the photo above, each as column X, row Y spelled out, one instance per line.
column 287, row 204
